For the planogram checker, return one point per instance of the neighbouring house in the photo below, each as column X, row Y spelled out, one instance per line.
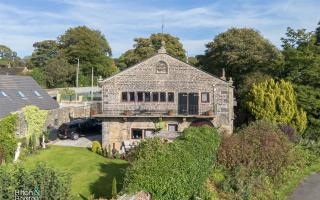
column 17, row 92
column 162, row 96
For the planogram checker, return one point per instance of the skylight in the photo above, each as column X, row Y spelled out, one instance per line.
column 37, row 93
column 3, row 94
column 21, row 94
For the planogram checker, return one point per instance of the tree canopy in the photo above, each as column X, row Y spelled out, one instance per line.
column 147, row 47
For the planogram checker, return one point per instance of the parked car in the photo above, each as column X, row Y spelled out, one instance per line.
column 79, row 127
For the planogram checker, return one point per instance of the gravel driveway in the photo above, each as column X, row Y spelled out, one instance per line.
column 81, row 142
column 309, row 189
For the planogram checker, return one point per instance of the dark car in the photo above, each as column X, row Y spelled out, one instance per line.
column 79, row 127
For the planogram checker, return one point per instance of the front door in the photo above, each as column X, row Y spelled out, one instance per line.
column 182, row 103
column 193, row 105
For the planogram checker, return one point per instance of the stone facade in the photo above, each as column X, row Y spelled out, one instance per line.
column 194, row 94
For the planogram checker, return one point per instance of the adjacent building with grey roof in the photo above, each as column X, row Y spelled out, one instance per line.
column 17, row 92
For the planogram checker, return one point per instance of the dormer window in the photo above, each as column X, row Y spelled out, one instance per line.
column 162, row 67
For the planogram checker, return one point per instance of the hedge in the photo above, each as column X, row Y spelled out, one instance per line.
column 176, row 170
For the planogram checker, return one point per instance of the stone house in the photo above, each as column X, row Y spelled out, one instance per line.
column 162, row 96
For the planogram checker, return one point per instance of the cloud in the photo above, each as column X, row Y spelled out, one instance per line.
column 122, row 21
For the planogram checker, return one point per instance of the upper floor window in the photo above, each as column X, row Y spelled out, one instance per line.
column 21, row 94
column 162, row 67
column 140, row 96
column 170, row 97
column 162, row 96
column 155, row 96
column 147, row 97
column 205, row 97
column 124, row 96
column 132, row 96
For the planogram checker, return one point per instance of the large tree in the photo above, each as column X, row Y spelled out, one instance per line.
column 240, row 51
column 92, row 49
column 301, row 50
column 43, row 52
column 9, row 58
column 147, row 47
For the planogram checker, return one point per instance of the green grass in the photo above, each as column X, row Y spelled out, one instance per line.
column 91, row 173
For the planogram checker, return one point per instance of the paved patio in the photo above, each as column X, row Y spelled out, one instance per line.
column 81, row 142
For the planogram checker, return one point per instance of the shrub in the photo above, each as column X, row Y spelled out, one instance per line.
column 50, row 184
column 8, row 141
column 96, row 147
column 174, row 170
column 114, row 188
column 259, row 147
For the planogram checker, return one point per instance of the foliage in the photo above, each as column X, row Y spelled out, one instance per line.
column 260, row 146
column 174, row 170
column 147, row 47
column 59, row 73
column 9, row 58
column 240, row 51
column 301, row 51
column 8, row 141
column 160, row 125
column 90, row 172
column 43, row 52
column 35, row 119
column 96, row 147
column 114, row 188
column 39, row 76
column 277, row 102
column 50, row 184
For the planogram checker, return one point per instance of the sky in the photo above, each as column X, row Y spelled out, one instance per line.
column 24, row 22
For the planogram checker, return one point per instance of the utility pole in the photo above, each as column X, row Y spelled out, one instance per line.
column 77, row 78
column 91, row 83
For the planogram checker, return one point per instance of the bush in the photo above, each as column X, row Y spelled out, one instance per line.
column 174, row 170
column 260, row 146
column 49, row 183
column 114, row 188
column 96, row 147
column 8, row 141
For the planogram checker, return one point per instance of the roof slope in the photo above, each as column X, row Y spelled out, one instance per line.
column 30, row 94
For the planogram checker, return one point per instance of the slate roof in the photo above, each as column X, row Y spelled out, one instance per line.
column 30, row 94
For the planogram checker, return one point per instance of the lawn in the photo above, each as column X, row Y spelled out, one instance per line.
column 91, row 173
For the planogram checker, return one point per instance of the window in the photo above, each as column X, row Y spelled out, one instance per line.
column 162, row 96
column 205, row 97
column 140, row 96
column 132, row 96
column 136, row 133
column 170, row 96
column 155, row 96
column 3, row 94
column 124, row 96
column 162, row 67
column 173, row 127
column 37, row 93
column 148, row 132
column 147, row 97
column 21, row 94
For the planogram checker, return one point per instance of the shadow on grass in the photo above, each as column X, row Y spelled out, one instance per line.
column 102, row 187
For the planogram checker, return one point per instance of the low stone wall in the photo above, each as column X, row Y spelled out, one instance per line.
column 55, row 118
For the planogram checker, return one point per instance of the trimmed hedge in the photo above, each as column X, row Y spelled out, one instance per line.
column 44, row 182
column 8, row 141
column 176, row 170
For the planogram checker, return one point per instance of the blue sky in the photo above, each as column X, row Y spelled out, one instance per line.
column 23, row 22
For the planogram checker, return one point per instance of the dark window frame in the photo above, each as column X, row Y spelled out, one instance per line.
column 140, row 94
column 208, row 97
column 153, row 95
column 134, row 97
column 169, row 95
column 126, row 95
column 175, row 126
column 163, row 98
column 145, row 97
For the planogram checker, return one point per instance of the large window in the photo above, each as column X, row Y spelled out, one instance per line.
column 170, row 97
column 140, row 96
column 172, row 127
column 162, row 96
column 147, row 97
column 136, row 134
column 124, row 96
column 132, row 96
column 155, row 96
column 205, row 97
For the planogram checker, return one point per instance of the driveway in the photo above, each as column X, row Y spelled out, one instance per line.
column 309, row 189
column 81, row 142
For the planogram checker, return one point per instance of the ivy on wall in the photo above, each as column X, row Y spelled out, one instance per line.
column 36, row 119
column 8, row 140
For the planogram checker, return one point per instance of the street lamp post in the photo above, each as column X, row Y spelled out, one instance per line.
column 77, row 78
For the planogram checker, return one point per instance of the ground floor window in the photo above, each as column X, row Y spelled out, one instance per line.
column 141, row 133
column 172, row 127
